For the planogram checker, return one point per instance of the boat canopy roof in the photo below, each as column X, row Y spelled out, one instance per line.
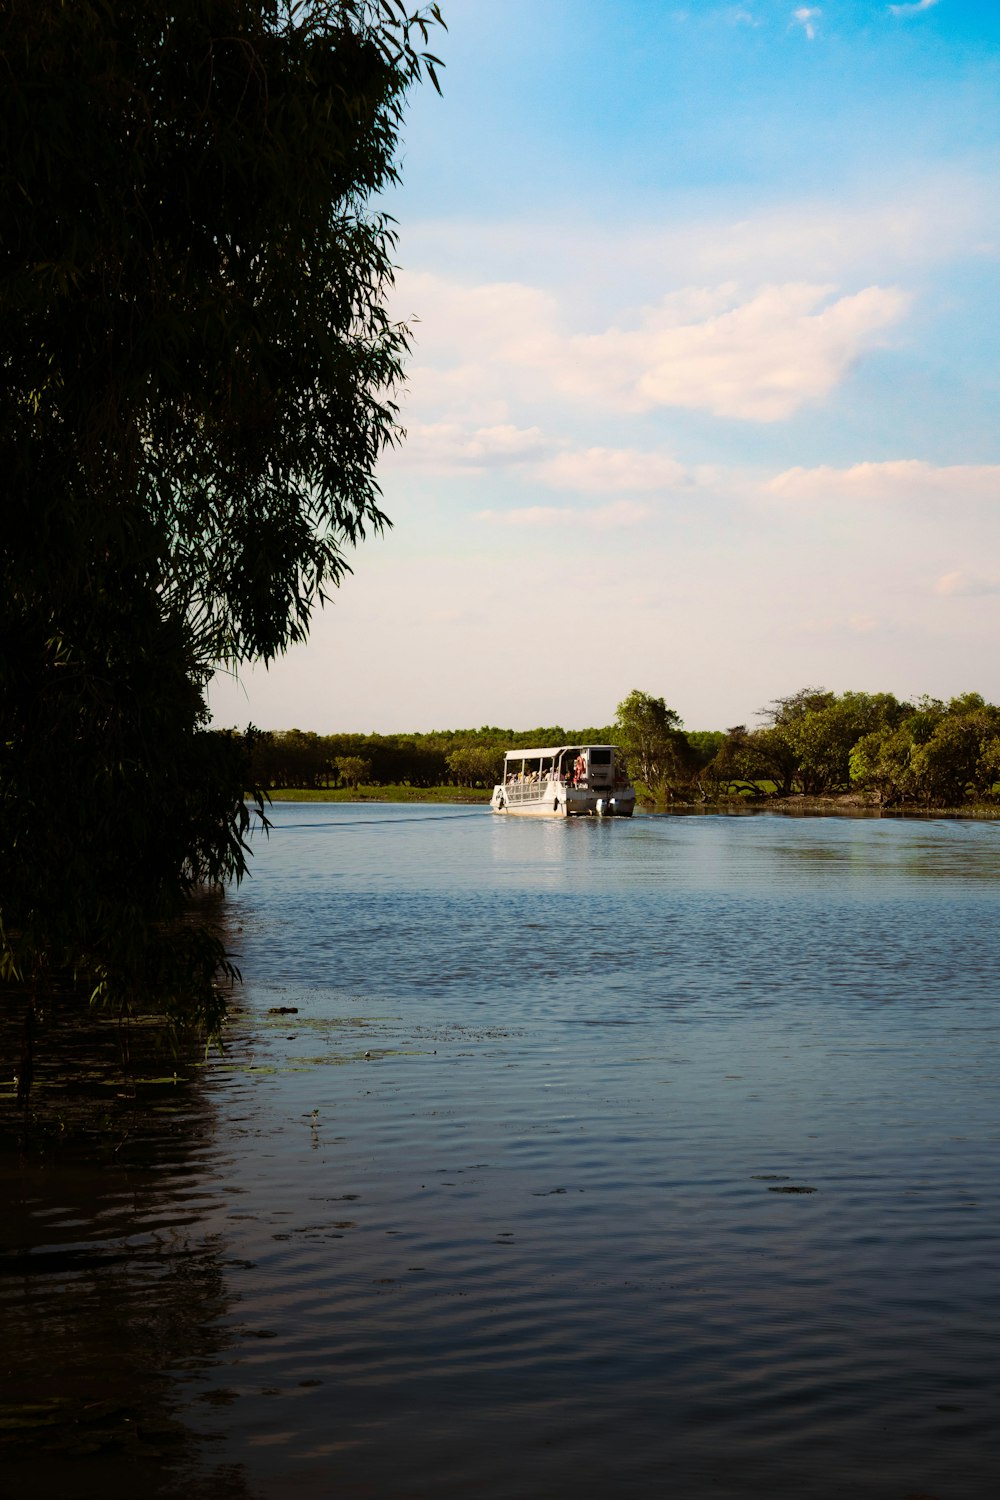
column 552, row 751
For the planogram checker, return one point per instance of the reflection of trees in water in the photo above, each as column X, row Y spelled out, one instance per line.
column 112, row 1298
column 98, row 1078
column 99, row 1342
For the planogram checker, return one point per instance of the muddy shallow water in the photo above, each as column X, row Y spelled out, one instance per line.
column 550, row 1160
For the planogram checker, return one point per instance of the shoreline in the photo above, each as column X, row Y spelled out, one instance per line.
column 393, row 793
column 849, row 805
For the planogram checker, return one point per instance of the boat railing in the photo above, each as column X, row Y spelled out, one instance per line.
column 525, row 791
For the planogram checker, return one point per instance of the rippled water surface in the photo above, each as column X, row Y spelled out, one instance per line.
column 586, row 1159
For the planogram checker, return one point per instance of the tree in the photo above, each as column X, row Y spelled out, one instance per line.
column 881, row 762
column 705, row 744
column 745, row 758
column 196, row 379
column 476, row 765
column 940, row 754
column 655, row 746
column 353, row 769
column 824, row 735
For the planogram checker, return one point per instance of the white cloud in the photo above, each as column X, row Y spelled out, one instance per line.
column 498, row 312
column 604, row 518
column 805, row 16
column 444, row 447
column 450, row 448
column 911, row 10
column 906, row 480
column 604, row 470
column 756, row 358
column 966, row 585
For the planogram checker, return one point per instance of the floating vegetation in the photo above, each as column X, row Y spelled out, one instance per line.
column 28, row 1417
column 337, row 1059
column 300, row 1063
column 792, row 1189
column 76, row 1427
column 97, row 1081
column 329, row 1023
column 219, row 1396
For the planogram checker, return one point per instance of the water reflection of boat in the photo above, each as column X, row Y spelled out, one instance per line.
column 565, row 781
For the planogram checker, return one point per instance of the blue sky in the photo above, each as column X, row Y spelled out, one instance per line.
column 704, row 390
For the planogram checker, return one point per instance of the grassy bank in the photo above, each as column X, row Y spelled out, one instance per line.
column 461, row 794
column 849, row 805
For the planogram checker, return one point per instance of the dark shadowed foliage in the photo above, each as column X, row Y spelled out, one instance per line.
column 196, row 377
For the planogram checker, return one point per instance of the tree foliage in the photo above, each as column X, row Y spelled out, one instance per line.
column 821, row 744
column 196, row 378
column 746, row 758
column 477, row 765
column 938, row 754
column 195, row 343
column 655, row 746
column 820, row 729
column 353, row 769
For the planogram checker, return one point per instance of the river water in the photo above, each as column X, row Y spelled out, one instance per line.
column 557, row 1159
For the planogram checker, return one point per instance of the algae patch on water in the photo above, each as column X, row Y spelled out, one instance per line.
column 339, row 1031
column 299, row 1064
column 76, row 1428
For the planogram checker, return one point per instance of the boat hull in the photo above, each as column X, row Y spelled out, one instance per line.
column 555, row 799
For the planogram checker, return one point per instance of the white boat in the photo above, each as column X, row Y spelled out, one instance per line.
column 565, row 781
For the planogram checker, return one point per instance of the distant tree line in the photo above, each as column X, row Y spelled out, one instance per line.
column 449, row 757
column 813, row 743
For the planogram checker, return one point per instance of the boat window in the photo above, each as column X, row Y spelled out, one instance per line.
column 600, row 757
